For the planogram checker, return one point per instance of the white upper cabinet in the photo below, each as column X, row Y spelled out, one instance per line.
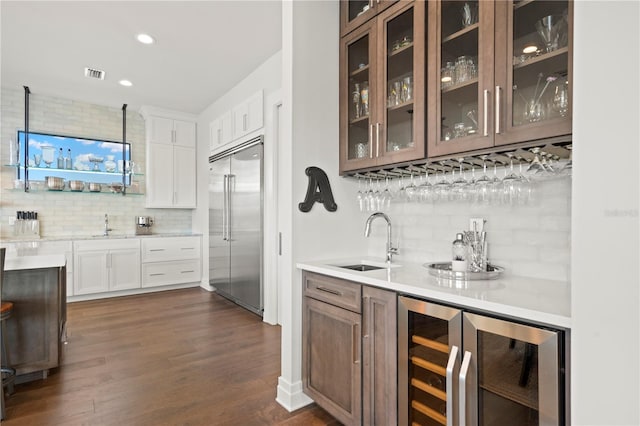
column 241, row 120
column 171, row 159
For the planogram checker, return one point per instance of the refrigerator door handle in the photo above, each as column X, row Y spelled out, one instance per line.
column 229, row 191
column 224, row 207
column 451, row 364
column 464, row 369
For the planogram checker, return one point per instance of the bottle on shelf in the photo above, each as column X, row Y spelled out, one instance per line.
column 60, row 159
column 67, row 160
column 14, row 153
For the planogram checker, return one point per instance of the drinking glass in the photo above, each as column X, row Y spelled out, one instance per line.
column 361, row 196
column 483, row 184
column 356, row 101
column 426, row 187
column 407, row 89
column 47, row 155
column 36, row 159
column 560, row 102
column 457, row 191
column 411, row 190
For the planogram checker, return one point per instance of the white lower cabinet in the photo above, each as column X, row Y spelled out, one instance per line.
column 170, row 260
column 103, row 266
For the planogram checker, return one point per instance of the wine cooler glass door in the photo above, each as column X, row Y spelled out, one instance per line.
column 429, row 348
column 513, row 376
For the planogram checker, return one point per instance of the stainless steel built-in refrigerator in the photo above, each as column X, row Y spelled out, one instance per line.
column 235, row 224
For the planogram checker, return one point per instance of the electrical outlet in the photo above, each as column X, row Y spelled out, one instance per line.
column 479, row 223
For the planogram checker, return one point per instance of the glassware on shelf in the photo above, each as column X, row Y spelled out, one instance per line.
column 37, row 158
column 355, row 100
column 110, row 165
column 96, row 162
column 364, row 98
column 407, row 89
column 552, row 29
column 560, row 102
column 47, row 154
column 447, row 75
column 469, row 14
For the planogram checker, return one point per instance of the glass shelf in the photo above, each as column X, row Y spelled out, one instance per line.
column 68, row 191
column 74, row 171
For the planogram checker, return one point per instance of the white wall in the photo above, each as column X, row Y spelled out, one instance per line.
column 66, row 214
column 531, row 240
column 266, row 77
column 310, row 133
column 605, row 358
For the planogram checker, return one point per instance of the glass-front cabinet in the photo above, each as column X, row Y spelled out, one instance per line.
column 534, row 85
column 500, row 71
column 354, row 13
column 382, row 89
column 456, row 367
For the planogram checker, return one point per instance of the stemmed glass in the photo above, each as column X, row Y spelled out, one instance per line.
column 426, row 187
column 360, row 195
column 511, row 183
column 411, row 189
column 483, row 184
column 441, row 187
column 536, row 167
column 385, row 196
column 459, row 184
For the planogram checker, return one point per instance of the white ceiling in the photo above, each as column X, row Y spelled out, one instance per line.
column 202, row 49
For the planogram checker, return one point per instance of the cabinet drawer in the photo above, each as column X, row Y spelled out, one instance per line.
column 344, row 294
column 174, row 248
column 167, row 273
column 107, row 244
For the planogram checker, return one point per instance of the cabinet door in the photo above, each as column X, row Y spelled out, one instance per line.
column 184, row 195
column 90, row 272
column 240, row 120
column 160, row 175
column 461, row 71
column 161, row 130
column 354, row 13
column 533, row 70
column 215, row 135
column 357, row 91
column 124, row 269
column 379, row 357
column 331, row 353
column 255, row 112
column 400, row 94
column 184, row 133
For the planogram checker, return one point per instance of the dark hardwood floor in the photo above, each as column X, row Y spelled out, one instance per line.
column 182, row 357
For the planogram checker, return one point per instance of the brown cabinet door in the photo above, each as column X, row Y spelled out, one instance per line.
column 331, row 359
column 461, row 75
column 534, row 46
column 400, row 124
column 358, row 73
column 379, row 358
column 354, row 13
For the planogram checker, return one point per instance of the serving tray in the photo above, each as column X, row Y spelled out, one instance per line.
column 443, row 270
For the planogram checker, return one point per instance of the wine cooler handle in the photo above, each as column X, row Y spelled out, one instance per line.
column 464, row 369
column 451, row 364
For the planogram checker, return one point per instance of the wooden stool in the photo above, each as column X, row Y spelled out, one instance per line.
column 8, row 373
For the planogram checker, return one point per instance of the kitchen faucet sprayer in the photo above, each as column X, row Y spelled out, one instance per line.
column 367, row 230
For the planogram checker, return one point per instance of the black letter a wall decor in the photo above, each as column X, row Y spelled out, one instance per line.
column 319, row 190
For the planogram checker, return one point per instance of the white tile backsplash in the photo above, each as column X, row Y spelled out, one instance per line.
column 76, row 214
column 531, row 240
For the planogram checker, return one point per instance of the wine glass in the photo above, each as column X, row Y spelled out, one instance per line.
column 560, row 102
column 482, row 186
column 459, row 184
column 360, row 195
column 511, row 183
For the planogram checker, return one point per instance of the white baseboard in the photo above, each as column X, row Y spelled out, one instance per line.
column 290, row 395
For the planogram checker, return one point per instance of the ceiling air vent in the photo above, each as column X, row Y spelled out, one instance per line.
column 94, row 73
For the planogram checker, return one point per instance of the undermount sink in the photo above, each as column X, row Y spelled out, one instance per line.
column 362, row 267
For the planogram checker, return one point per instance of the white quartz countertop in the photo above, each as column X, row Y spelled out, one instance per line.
column 111, row 236
column 17, row 263
column 536, row 300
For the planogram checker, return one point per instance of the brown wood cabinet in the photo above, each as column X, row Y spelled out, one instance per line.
column 349, row 350
column 382, row 89
column 493, row 78
column 354, row 13
column 379, row 357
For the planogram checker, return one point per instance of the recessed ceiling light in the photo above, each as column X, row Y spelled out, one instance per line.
column 126, row 83
column 145, row 38
column 530, row 48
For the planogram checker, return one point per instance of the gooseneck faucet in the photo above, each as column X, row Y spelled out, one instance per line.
column 367, row 230
column 106, row 226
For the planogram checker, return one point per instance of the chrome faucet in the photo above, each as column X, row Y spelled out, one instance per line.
column 106, row 226
column 367, row 230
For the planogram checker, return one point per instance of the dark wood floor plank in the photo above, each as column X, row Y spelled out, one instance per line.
column 182, row 357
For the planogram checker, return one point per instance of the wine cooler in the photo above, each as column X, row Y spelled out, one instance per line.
column 461, row 368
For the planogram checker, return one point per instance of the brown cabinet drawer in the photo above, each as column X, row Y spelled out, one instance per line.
column 345, row 294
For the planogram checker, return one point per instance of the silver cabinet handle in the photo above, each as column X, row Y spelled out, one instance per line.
column 224, row 207
column 453, row 357
column 498, row 90
column 244, row 122
column 155, row 275
column 370, row 140
column 462, row 400
column 187, row 272
column 329, row 290
column 486, row 113
column 187, row 248
column 377, row 140
column 356, row 345
column 156, row 249
column 219, row 136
